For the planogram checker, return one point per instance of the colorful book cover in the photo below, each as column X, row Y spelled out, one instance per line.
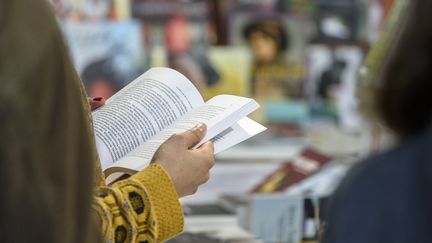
column 292, row 172
column 107, row 55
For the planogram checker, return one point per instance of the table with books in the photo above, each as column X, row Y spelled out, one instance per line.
column 270, row 188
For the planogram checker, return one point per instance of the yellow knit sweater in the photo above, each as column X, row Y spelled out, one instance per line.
column 143, row 208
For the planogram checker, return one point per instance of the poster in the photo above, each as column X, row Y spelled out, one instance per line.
column 276, row 43
column 107, row 55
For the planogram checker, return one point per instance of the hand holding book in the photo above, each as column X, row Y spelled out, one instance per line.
column 175, row 155
column 138, row 119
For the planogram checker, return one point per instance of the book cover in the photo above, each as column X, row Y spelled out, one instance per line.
column 276, row 43
column 332, row 82
column 177, row 34
column 107, row 55
column 292, row 172
column 231, row 80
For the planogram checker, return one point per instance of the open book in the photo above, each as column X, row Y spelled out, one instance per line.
column 134, row 122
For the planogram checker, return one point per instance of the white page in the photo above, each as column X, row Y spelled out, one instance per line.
column 219, row 113
column 141, row 110
column 236, row 109
column 237, row 133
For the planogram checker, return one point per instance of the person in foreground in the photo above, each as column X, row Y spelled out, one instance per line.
column 51, row 185
column 388, row 198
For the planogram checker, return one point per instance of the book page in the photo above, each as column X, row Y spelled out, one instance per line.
column 237, row 133
column 152, row 102
column 219, row 113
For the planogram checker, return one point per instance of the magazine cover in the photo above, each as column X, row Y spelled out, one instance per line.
column 107, row 55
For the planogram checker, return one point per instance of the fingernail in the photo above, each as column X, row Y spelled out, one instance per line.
column 97, row 98
column 200, row 127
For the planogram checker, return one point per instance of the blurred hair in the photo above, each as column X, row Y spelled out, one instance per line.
column 47, row 153
column 400, row 94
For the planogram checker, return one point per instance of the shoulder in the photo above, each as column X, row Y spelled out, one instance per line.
column 387, row 171
column 377, row 193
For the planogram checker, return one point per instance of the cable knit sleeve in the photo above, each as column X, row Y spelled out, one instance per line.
column 143, row 208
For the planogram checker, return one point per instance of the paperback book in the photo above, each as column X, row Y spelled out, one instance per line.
column 162, row 102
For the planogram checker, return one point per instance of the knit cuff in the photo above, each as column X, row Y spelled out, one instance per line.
column 164, row 200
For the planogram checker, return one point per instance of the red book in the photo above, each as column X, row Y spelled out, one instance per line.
column 299, row 168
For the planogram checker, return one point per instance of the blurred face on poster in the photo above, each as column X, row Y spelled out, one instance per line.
column 264, row 47
column 267, row 40
column 273, row 76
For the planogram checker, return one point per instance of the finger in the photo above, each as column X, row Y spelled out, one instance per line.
column 208, row 149
column 194, row 135
column 96, row 102
column 209, row 146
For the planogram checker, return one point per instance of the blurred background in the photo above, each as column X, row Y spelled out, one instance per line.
column 300, row 59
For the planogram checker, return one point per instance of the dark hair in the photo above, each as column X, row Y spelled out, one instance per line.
column 403, row 94
column 271, row 28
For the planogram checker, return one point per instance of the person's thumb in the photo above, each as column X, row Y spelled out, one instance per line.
column 195, row 134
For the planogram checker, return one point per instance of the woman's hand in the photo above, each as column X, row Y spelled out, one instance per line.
column 188, row 168
column 96, row 102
